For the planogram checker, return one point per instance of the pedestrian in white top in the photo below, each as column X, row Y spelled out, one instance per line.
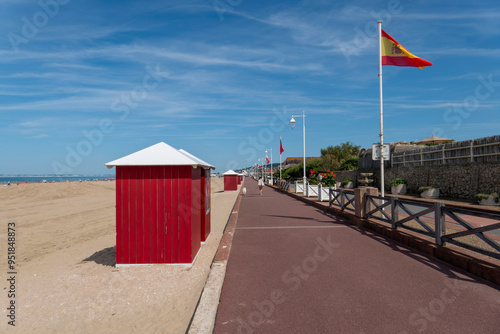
column 260, row 183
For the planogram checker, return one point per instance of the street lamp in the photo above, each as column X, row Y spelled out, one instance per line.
column 271, row 168
column 292, row 125
column 261, row 160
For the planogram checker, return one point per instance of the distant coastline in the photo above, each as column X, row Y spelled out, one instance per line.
column 20, row 178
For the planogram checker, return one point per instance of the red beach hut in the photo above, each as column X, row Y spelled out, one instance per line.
column 158, row 206
column 205, row 195
column 230, row 180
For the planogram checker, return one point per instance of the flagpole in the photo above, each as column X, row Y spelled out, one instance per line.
column 271, row 171
column 280, row 158
column 382, row 190
column 304, row 145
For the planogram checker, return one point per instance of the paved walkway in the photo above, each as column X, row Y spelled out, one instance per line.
column 295, row 269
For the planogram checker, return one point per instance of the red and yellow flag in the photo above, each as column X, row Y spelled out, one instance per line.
column 395, row 54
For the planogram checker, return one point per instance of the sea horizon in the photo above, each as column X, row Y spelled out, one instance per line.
column 38, row 178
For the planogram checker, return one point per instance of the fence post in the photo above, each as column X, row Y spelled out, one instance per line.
column 366, row 204
column 342, row 194
column 330, row 197
column 472, row 151
column 394, row 212
column 439, row 219
column 442, row 153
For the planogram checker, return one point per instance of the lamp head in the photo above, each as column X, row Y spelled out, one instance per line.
column 292, row 123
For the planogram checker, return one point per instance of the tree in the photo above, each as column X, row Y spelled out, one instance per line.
column 340, row 157
column 297, row 171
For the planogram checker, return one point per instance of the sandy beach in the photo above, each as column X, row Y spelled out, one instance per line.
column 67, row 280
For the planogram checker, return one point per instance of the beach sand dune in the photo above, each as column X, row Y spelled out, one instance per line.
column 67, row 280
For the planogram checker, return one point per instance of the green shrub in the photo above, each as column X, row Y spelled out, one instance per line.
column 422, row 189
column 398, row 181
column 346, row 181
column 480, row 197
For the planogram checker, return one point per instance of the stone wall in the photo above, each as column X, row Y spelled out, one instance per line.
column 347, row 174
column 456, row 181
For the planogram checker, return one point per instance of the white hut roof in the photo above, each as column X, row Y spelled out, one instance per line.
column 159, row 154
column 202, row 163
column 230, row 172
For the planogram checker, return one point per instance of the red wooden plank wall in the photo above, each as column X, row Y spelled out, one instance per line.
column 205, row 204
column 230, row 182
column 195, row 207
column 158, row 219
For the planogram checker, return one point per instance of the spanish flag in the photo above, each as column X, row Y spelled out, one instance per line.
column 395, row 54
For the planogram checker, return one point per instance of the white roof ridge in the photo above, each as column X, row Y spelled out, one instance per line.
column 160, row 154
column 203, row 163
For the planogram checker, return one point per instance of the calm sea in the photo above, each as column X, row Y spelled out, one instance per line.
column 27, row 178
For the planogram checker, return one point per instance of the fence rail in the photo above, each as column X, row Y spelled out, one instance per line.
column 475, row 230
column 284, row 185
column 443, row 223
column 471, row 230
column 342, row 198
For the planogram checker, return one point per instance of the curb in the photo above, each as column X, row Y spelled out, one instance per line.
column 462, row 259
column 204, row 316
column 206, row 311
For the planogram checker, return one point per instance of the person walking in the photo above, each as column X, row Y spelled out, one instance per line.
column 260, row 183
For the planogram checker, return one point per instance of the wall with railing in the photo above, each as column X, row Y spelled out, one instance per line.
column 481, row 150
column 459, row 169
column 454, row 181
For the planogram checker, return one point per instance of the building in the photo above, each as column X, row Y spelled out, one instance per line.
column 161, row 206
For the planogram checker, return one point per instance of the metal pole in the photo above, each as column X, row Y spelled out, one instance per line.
column 304, row 142
column 280, row 158
column 271, row 169
column 382, row 190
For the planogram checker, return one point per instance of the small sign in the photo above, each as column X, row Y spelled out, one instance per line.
column 376, row 152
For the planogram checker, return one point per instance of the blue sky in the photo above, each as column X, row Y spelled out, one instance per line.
column 85, row 82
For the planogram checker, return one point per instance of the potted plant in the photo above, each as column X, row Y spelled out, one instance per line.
column 488, row 199
column 328, row 179
column 312, row 183
column 398, row 186
column 348, row 183
column 428, row 192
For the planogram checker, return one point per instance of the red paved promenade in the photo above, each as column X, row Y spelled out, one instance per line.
column 294, row 269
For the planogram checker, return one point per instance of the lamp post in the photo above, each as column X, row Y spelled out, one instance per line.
column 271, row 168
column 261, row 161
column 292, row 125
